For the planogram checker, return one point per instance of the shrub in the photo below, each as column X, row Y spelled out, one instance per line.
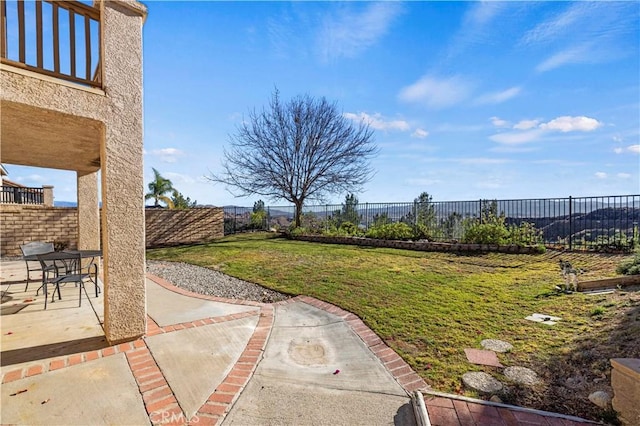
column 348, row 229
column 630, row 267
column 485, row 233
column 421, row 232
column 391, row 231
column 525, row 235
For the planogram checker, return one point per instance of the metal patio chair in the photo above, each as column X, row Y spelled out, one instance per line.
column 71, row 263
column 30, row 251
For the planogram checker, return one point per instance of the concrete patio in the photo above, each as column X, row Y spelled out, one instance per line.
column 209, row 360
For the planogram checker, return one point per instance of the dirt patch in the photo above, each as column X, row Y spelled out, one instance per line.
column 583, row 365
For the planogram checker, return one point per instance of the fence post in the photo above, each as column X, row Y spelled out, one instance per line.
column 268, row 219
column 366, row 215
column 480, row 210
column 570, row 223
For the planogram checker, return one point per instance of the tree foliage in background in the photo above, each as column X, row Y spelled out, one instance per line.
column 259, row 215
column 300, row 150
column 159, row 187
column 348, row 213
column 181, row 202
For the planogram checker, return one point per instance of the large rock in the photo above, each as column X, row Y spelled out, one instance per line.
column 482, row 382
column 522, row 375
column 601, row 398
column 496, row 345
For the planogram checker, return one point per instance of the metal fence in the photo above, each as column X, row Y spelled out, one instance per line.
column 604, row 222
column 21, row 195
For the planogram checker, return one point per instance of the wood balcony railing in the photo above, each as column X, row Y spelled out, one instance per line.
column 21, row 195
column 56, row 38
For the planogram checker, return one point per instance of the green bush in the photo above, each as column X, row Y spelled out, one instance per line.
column 348, row 229
column 485, row 233
column 391, row 231
column 630, row 267
column 421, row 232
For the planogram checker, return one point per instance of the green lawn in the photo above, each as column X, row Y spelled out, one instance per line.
column 430, row 306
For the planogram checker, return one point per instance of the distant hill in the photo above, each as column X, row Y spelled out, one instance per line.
column 65, row 204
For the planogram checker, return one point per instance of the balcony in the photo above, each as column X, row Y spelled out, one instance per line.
column 65, row 43
column 21, row 195
column 71, row 99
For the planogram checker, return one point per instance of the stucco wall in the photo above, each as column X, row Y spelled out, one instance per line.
column 20, row 224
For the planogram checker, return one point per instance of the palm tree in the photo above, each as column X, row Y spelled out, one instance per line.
column 158, row 187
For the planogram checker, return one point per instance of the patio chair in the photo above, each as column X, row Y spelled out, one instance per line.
column 29, row 255
column 71, row 263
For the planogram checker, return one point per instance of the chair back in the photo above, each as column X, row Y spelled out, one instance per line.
column 36, row 247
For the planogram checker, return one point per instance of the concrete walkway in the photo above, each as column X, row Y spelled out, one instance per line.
column 207, row 360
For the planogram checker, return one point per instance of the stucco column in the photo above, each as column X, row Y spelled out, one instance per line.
column 47, row 195
column 123, row 239
column 88, row 212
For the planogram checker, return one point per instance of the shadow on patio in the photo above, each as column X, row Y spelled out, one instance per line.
column 30, row 333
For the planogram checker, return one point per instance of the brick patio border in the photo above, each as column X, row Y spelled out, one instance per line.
column 399, row 369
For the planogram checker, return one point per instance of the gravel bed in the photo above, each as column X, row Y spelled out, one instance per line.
column 212, row 283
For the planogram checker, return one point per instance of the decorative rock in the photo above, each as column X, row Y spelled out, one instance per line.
column 522, row 375
column 495, row 398
column 601, row 398
column 482, row 382
column 496, row 345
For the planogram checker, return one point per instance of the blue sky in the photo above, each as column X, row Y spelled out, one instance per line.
column 468, row 100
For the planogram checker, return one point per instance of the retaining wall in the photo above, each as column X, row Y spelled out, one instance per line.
column 416, row 245
column 20, row 224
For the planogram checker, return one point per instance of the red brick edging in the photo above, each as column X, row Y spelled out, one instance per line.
column 399, row 369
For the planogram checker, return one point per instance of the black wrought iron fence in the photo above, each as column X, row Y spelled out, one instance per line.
column 601, row 223
column 21, row 195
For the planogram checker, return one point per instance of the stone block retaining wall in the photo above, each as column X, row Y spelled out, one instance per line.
column 416, row 245
column 20, row 224
column 625, row 381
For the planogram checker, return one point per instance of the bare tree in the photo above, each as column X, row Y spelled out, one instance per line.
column 298, row 151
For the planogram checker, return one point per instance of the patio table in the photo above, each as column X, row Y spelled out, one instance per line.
column 75, row 270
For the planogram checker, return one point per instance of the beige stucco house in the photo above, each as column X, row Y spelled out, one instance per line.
column 84, row 116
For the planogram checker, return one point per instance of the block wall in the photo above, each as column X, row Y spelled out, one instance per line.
column 20, row 224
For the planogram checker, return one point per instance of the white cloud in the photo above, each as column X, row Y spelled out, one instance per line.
column 573, row 55
column 624, row 175
column 601, row 175
column 514, row 138
column 618, row 150
column 617, row 138
column 347, row 33
column 531, row 130
column 559, row 23
column 436, row 92
column 498, row 122
column 168, row 155
column 179, row 178
column 572, row 124
column 526, row 124
column 634, row 148
column 419, row 133
column 378, row 122
column 498, row 97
